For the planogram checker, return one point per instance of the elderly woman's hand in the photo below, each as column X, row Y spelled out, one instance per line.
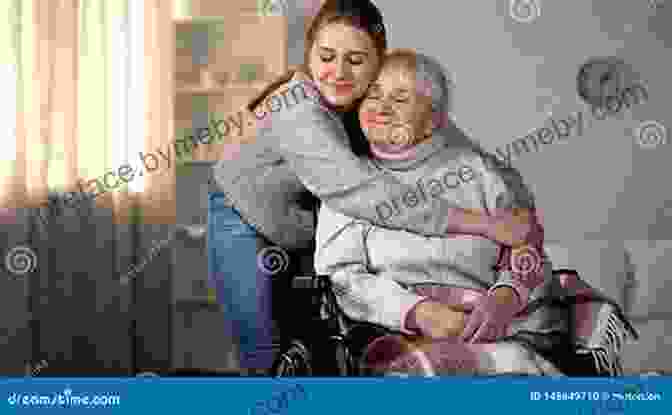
column 492, row 315
column 437, row 320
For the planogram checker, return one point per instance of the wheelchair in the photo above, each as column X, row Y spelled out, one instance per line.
column 326, row 342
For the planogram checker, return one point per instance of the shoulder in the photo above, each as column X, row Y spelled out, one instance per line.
column 293, row 98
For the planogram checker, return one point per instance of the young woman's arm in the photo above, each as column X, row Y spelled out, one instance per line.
column 376, row 298
column 522, row 270
column 507, row 192
column 315, row 144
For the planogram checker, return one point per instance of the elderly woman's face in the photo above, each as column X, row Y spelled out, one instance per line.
column 394, row 111
column 343, row 63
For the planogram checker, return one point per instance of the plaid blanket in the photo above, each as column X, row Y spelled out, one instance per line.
column 599, row 326
column 394, row 355
column 595, row 324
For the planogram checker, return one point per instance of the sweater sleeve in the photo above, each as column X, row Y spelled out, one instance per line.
column 364, row 296
column 315, row 144
column 505, row 189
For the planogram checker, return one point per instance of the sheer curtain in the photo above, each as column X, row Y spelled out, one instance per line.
column 87, row 86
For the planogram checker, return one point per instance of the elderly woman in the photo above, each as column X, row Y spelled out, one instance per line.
column 464, row 299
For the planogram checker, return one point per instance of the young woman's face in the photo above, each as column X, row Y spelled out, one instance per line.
column 343, row 63
column 394, row 112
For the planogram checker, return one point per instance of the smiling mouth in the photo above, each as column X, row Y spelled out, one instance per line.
column 375, row 123
column 340, row 84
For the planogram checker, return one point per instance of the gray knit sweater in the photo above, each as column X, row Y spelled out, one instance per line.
column 372, row 267
column 305, row 146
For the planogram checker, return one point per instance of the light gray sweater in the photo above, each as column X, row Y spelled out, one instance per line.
column 306, row 147
column 373, row 268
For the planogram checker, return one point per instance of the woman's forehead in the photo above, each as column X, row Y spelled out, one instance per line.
column 343, row 37
column 396, row 74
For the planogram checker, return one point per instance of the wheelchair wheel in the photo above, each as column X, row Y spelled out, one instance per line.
column 344, row 363
column 295, row 361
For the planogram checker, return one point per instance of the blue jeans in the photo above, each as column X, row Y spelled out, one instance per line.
column 243, row 291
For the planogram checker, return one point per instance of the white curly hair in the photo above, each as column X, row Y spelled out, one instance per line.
column 432, row 80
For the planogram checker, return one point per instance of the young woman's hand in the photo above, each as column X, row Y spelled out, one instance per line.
column 509, row 227
column 437, row 320
column 515, row 227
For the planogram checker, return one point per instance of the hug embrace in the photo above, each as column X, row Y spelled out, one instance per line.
column 442, row 276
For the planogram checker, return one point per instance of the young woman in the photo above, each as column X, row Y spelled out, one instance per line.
column 259, row 198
